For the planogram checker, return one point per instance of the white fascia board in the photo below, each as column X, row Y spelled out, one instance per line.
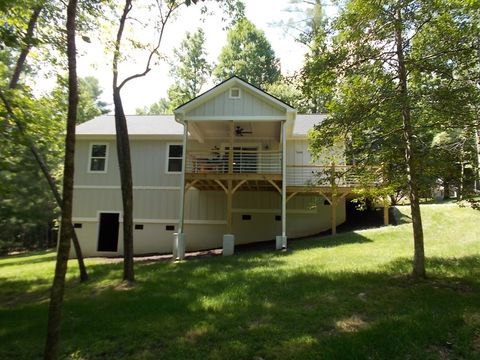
column 106, row 137
column 237, row 118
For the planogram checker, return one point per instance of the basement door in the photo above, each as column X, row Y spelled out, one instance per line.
column 108, row 232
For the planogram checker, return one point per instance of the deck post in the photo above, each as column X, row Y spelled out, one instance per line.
column 334, row 200
column 386, row 220
column 281, row 242
column 229, row 207
column 179, row 238
column 334, row 214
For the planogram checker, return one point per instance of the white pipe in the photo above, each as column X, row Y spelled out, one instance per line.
column 182, row 178
column 284, row 180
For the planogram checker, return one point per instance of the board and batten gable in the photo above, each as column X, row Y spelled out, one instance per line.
column 223, row 105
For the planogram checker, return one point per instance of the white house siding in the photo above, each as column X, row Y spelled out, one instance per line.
column 298, row 154
column 247, row 105
column 156, row 203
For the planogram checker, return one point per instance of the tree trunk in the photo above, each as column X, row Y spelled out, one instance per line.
column 123, row 153
column 410, row 161
column 125, row 165
column 462, row 176
column 477, row 142
column 31, row 145
column 57, row 291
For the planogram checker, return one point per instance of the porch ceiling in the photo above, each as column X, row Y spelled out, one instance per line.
column 245, row 130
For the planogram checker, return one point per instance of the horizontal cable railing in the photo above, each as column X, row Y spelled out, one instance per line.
column 244, row 161
column 322, row 175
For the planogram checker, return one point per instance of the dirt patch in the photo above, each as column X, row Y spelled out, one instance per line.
column 352, row 324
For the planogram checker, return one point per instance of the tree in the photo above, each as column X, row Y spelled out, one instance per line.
column 23, row 43
column 190, row 69
column 248, row 55
column 66, row 230
column 161, row 107
column 382, row 53
column 123, row 144
column 89, row 92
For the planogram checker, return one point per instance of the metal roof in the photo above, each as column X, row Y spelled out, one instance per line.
column 305, row 122
column 166, row 125
column 137, row 125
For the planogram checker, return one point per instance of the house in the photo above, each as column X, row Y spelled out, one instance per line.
column 230, row 166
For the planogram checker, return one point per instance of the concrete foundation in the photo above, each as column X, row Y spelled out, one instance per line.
column 228, row 244
column 280, row 242
column 178, row 246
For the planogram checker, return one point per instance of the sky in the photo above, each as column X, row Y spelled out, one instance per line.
column 265, row 14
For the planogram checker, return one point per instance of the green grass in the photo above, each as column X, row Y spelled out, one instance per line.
column 347, row 297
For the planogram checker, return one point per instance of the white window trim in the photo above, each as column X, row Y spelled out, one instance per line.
column 89, row 163
column 230, row 96
column 168, row 158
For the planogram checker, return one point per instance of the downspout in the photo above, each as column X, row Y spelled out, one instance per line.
column 284, row 184
column 182, row 178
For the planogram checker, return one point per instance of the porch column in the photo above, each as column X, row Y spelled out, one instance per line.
column 385, row 212
column 179, row 237
column 229, row 238
column 333, row 206
column 281, row 241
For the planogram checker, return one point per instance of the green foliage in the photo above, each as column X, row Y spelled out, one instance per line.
column 248, row 55
column 162, row 106
column 360, row 67
column 89, row 103
column 289, row 91
column 27, row 207
column 190, row 69
column 342, row 297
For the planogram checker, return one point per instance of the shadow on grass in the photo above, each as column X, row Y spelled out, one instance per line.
column 329, row 241
column 249, row 306
column 26, row 258
column 400, row 218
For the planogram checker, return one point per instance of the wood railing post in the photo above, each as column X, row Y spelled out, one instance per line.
column 230, row 152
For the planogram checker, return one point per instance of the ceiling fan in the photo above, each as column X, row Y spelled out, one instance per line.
column 239, row 131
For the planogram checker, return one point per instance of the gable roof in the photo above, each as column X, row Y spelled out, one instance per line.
column 226, row 84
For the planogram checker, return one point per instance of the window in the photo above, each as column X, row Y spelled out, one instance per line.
column 174, row 159
column 170, row 227
column 234, row 93
column 138, row 226
column 98, row 158
column 246, row 217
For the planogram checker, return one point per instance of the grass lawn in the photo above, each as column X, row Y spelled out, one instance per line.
column 347, row 297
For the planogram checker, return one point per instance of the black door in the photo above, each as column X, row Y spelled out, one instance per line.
column 108, row 232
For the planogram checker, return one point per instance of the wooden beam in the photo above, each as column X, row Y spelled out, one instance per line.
column 238, row 186
column 334, row 214
column 229, row 207
column 235, row 176
column 291, row 196
column 386, row 220
column 275, row 186
column 222, row 186
column 191, row 184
